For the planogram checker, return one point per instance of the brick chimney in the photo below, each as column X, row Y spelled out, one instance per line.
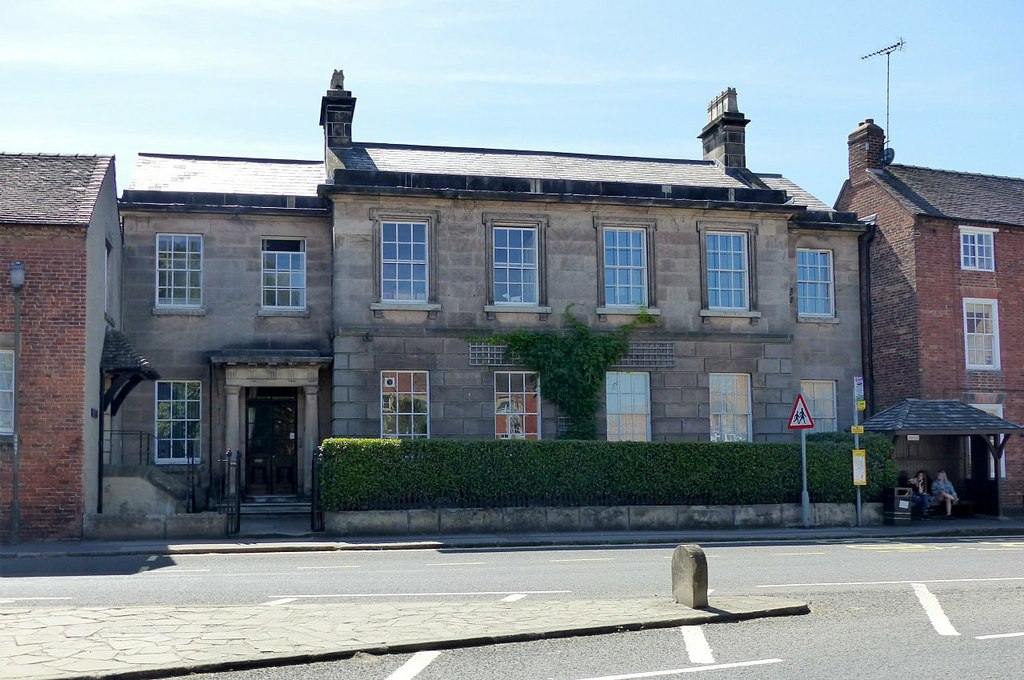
column 866, row 144
column 724, row 136
column 336, row 111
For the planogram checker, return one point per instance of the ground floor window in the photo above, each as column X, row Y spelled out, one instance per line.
column 820, row 396
column 178, row 420
column 628, row 406
column 730, row 406
column 405, row 404
column 516, row 405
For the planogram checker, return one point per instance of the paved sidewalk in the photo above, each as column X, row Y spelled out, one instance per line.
column 159, row 641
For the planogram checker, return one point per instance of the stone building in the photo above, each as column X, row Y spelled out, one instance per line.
column 942, row 302
column 285, row 301
column 59, row 220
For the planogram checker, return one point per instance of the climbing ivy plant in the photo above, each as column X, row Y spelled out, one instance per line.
column 571, row 364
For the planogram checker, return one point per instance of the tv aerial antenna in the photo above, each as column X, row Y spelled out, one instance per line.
column 887, row 153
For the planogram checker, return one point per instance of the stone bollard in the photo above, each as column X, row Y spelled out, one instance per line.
column 690, row 576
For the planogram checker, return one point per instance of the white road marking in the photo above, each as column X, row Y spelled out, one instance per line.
column 5, row 600
column 411, row 668
column 797, row 554
column 680, row 671
column 455, row 564
column 1001, row 635
column 587, row 559
column 142, row 570
column 283, row 600
column 697, row 646
column 933, row 609
column 892, row 583
column 333, row 566
column 468, row 594
column 514, row 598
column 171, row 571
column 152, row 558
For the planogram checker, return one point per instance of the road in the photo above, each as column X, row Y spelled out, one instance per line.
column 927, row 607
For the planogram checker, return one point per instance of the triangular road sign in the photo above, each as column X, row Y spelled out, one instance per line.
column 801, row 418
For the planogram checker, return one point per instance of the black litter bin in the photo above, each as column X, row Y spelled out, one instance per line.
column 896, row 503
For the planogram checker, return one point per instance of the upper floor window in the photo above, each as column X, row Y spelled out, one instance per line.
column 820, row 396
column 178, row 420
column 625, row 267
column 730, row 407
column 179, row 270
column 726, row 271
column 977, row 249
column 814, row 287
column 6, row 392
column 981, row 333
column 405, row 404
column 628, row 406
column 516, row 405
column 284, row 273
column 515, row 265
column 404, row 264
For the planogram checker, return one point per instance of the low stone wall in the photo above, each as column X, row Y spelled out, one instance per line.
column 440, row 521
column 160, row 527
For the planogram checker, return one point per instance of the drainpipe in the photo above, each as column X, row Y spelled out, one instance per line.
column 867, row 317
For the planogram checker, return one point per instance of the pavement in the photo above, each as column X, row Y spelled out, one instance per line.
column 149, row 642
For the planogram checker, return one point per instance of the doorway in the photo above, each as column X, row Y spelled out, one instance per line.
column 270, row 426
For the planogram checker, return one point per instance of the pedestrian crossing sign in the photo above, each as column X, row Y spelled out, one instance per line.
column 801, row 417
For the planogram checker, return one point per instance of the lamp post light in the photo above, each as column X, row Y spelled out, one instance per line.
column 17, row 283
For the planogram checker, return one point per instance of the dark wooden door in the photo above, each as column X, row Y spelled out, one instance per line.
column 270, row 462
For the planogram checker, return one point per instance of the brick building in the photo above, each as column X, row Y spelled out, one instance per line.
column 942, row 297
column 58, row 218
column 286, row 301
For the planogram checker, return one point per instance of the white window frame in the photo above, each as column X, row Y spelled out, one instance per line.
column 716, row 269
column 408, row 257
column 995, row 410
column 512, row 404
column 288, row 281
column 820, row 396
column 405, row 404
column 185, row 421
column 628, row 406
column 182, row 266
column 977, row 249
column 7, row 388
column 993, row 317
column 726, row 407
column 625, row 257
column 819, row 290
column 527, row 269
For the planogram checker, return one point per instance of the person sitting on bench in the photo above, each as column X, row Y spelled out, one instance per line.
column 943, row 491
column 919, row 485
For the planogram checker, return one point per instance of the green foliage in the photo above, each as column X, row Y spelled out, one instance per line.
column 572, row 365
column 360, row 474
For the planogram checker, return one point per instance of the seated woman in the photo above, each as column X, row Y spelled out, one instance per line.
column 919, row 485
column 943, row 491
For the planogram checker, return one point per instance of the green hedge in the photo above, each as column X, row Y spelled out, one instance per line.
column 362, row 474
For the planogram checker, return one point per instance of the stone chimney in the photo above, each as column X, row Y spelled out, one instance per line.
column 336, row 110
column 724, row 137
column 866, row 145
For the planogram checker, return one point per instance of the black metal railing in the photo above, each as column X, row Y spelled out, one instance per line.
column 128, row 447
column 316, row 507
column 231, row 490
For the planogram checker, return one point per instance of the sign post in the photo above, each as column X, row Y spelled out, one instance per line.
column 801, row 420
column 860, row 459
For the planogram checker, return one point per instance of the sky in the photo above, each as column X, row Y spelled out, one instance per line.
column 633, row 78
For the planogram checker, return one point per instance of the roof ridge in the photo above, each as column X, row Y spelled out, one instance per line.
column 956, row 172
column 522, row 152
column 244, row 159
column 45, row 154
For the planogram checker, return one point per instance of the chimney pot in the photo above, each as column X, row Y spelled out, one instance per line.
column 724, row 136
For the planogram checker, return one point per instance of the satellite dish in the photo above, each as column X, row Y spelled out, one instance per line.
column 888, row 155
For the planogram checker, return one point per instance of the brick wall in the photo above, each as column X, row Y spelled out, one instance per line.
column 52, row 374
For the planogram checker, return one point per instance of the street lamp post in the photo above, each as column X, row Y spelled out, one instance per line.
column 17, row 283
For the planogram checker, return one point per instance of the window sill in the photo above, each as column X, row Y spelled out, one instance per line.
column 493, row 310
column 431, row 308
column 985, row 369
column 807, row 318
column 303, row 313
column 179, row 311
column 627, row 310
column 731, row 313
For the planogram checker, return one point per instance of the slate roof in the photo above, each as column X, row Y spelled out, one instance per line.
column 50, row 189
column 119, row 356
column 222, row 175
column 937, row 415
column 955, row 195
column 215, row 174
